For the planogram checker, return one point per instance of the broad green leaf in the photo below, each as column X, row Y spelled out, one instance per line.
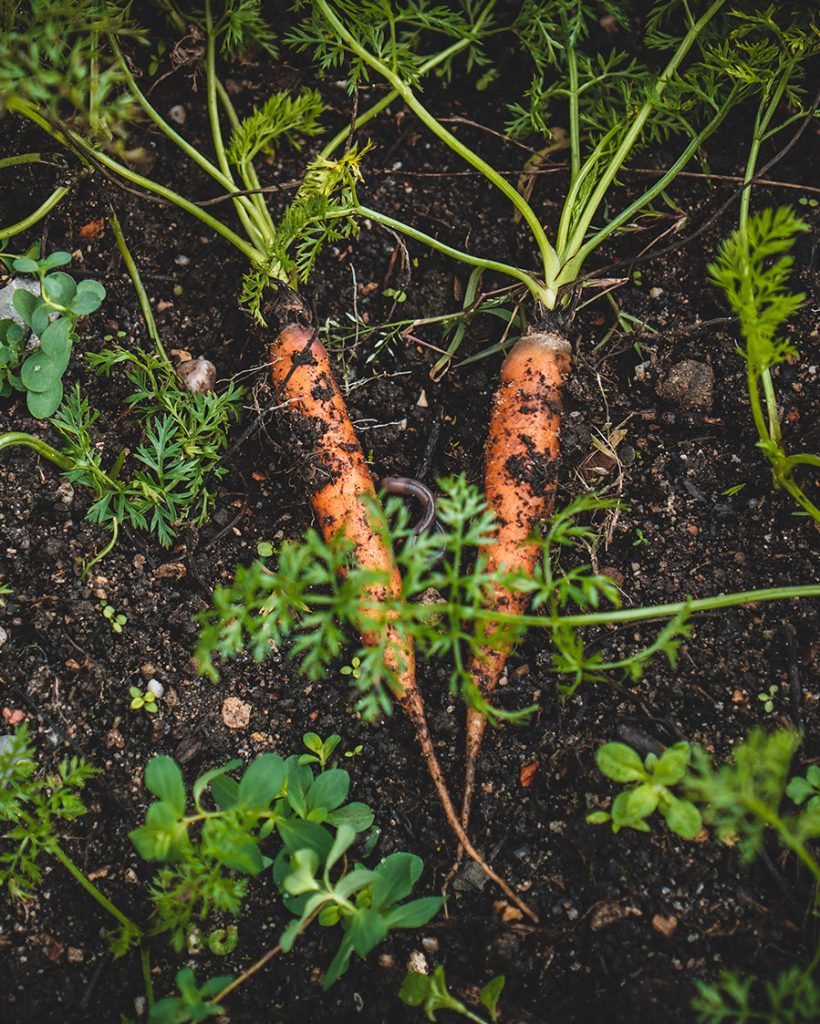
column 395, row 877
column 339, row 964
column 345, row 837
column 297, row 835
column 598, row 817
column 683, row 818
column 42, row 404
column 24, row 265
column 89, row 297
column 672, row 765
column 5, row 356
column 164, row 779
column 57, row 259
column 367, row 929
column 329, row 790
column 313, row 742
column 490, row 994
column 209, row 776
column 262, row 782
column 225, row 791
column 642, row 801
column 162, row 837
column 40, row 318
column 25, row 303
column 619, row 762
column 302, row 875
column 60, row 288
column 41, row 372
column 414, row 989
column 621, row 815
column 299, row 779
column 357, row 815
column 10, row 331
column 414, row 913
column 56, row 338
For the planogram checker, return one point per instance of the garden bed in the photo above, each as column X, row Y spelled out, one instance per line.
column 627, row 922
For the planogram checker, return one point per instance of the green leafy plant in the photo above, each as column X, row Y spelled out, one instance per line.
column 801, row 789
column 143, row 700
column 753, row 270
column 52, row 316
column 431, row 993
column 648, row 789
column 768, row 698
column 320, row 751
column 194, row 1002
column 314, row 597
column 793, row 997
column 208, row 854
column 114, row 618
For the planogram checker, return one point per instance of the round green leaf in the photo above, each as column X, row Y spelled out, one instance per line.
column 42, row 404
column 672, row 765
column 684, row 819
column 5, row 355
column 89, row 297
column 619, row 762
column 25, row 303
column 60, row 288
column 41, row 372
column 39, row 317
column 14, row 333
column 24, row 265
column 642, row 801
column 56, row 338
column 57, row 259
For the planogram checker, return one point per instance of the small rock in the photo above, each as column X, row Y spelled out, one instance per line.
column 387, row 960
column 147, row 671
column 430, row 944
column 178, row 114
column 13, row 716
column 665, row 926
column 417, row 962
column 139, row 1006
column 156, row 687
column 508, row 912
column 182, row 260
column 114, row 739
column 75, row 955
column 65, row 493
column 7, row 310
column 655, row 293
column 688, row 385
column 3, row 636
column 421, row 401
column 198, row 375
column 170, row 571
column 236, row 714
column 470, row 878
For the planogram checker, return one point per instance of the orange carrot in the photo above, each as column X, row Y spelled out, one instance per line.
column 520, row 483
column 339, row 480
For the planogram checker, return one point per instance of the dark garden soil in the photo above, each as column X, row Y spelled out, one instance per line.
column 628, row 922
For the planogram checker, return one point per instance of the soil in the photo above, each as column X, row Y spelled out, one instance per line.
column 628, row 922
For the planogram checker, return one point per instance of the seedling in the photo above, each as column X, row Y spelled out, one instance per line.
column 355, row 751
column 768, row 698
column 115, row 619
column 800, row 789
column 353, row 669
column 431, row 993
column 753, row 273
column 320, row 752
column 52, row 316
column 143, row 700
column 194, row 1002
column 648, row 789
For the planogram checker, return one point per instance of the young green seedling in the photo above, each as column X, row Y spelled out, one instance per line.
column 143, row 700
column 320, row 752
column 430, row 992
column 647, row 789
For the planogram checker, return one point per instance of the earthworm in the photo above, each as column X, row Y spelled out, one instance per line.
column 409, row 488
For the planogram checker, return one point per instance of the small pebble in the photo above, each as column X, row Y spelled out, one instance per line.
column 139, row 1006
column 75, row 955
column 236, row 714
column 156, row 687
column 655, row 293
column 430, row 944
column 178, row 114
column 198, row 375
column 65, row 493
column 417, row 962
column 182, row 260
column 3, row 636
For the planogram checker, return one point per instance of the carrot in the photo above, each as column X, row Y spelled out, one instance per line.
column 520, row 483
column 339, row 480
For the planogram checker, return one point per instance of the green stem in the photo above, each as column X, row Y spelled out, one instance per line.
column 531, row 282
column 574, row 125
column 774, row 821
column 75, row 142
column 432, row 62
column 13, row 438
column 548, row 257
column 33, row 218
column 25, row 158
column 115, row 529
column 93, row 891
column 631, row 137
column 244, row 207
column 139, row 288
column 147, row 980
column 247, row 170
